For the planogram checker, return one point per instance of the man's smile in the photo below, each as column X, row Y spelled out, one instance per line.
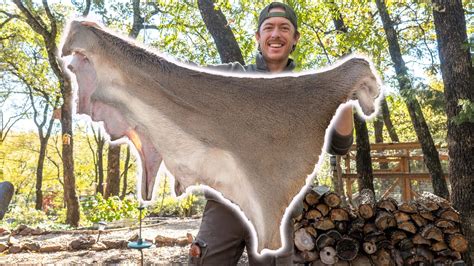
column 276, row 43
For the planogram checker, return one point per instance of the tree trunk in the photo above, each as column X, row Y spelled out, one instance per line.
column 2, row 158
column 39, row 174
column 378, row 132
column 125, row 173
column 388, row 122
column 113, row 171
column 72, row 203
column 100, row 140
column 217, row 25
column 42, row 153
column 378, row 129
column 363, row 160
column 458, row 79
column 49, row 34
column 431, row 156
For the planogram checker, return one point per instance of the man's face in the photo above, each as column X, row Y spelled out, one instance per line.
column 276, row 38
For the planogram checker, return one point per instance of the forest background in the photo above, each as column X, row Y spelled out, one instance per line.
column 66, row 173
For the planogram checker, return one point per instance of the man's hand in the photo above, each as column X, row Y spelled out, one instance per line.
column 344, row 123
column 195, row 251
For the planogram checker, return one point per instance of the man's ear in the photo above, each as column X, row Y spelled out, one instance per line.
column 257, row 36
column 297, row 36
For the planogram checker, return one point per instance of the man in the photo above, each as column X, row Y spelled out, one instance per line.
column 223, row 233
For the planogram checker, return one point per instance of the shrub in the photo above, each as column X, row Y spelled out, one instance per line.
column 22, row 212
column 167, row 205
column 96, row 208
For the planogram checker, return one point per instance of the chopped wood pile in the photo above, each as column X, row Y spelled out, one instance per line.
column 422, row 232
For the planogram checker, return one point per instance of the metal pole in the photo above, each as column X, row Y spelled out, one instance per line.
column 140, row 219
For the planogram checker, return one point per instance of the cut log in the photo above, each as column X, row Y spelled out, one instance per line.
column 396, row 257
column 415, row 260
column 419, row 220
column 448, row 214
column 324, row 240
column 375, row 237
column 443, row 224
column 401, row 217
column 457, row 255
column 367, row 203
column 451, row 230
column 369, row 247
column 419, row 240
column 431, row 232
column 405, row 244
column 299, row 224
column 302, row 257
column 341, row 226
column 388, row 204
column 328, row 255
column 384, row 244
column 459, row 263
column 311, row 198
column 369, row 228
column 339, row 214
column 361, row 260
column 312, row 231
column 407, row 226
column 425, row 253
column 396, row 236
column 442, row 261
column 382, row 257
column 334, row 235
column 427, row 215
column 443, row 203
column 347, row 248
column 313, row 215
column 323, row 208
column 299, row 217
column 408, row 207
column 324, row 224
column 332, row 199
column 438, row 246
column 303, row 240
column 355, row 228
column 358, row 224
column 457, row 242
column 385, row 220
column 427, row 204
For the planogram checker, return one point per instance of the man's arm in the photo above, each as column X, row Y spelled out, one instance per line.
column 341, row 137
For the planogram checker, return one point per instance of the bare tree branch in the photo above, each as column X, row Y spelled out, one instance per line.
column 316, row 32
column 35, row 22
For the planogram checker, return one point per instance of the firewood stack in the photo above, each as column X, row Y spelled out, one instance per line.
column 425, row 231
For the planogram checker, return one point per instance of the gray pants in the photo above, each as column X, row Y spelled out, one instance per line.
column 225, row 235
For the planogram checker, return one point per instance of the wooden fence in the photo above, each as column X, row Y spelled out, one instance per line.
column 394, row 164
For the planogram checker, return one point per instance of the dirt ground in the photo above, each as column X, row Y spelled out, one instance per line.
column 174, row 228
